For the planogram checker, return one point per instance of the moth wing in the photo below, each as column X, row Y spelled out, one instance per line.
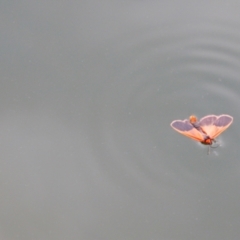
column 207, row 124
column 221, row 124
column 215, row 125
column 186, row 128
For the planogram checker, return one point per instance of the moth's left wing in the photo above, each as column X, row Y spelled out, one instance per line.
column 215, row 125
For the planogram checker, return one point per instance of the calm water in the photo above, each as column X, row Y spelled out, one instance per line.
column 88, row 92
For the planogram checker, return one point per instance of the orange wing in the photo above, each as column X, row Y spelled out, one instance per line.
column 186, row 128
column 215, row 125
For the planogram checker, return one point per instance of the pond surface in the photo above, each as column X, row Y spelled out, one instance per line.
column 88, row 92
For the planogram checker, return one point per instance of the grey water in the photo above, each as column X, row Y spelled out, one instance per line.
column 88, row 92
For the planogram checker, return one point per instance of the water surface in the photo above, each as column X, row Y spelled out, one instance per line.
column 88, row 92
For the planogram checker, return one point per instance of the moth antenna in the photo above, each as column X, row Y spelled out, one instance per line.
column 210, row 146
column 208, row 152
column 217, row 144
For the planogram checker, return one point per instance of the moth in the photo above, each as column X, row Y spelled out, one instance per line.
column 205, row 130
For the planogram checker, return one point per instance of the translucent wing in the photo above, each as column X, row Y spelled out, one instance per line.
column 186, row 128
column 215, row 125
